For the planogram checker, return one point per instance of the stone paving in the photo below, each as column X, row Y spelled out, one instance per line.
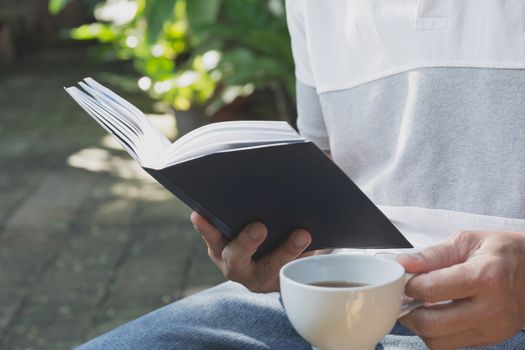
column 87, row 240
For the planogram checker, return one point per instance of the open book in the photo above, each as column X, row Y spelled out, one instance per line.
column 233, row 173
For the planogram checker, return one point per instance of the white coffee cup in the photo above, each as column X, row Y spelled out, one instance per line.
column 349, row 318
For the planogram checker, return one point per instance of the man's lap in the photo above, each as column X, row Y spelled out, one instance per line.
column 230, row 317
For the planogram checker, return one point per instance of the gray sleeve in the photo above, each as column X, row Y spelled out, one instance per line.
column 310, row 120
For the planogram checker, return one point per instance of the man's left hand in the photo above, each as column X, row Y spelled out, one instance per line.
column 483, row 274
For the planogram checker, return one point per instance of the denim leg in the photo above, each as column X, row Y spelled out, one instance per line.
column 230, row 317
column 400, row 338
column 224, row 317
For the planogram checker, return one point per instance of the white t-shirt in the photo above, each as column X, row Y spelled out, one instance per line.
column 421, row 103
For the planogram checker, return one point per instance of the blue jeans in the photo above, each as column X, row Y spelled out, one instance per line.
column 230, row 317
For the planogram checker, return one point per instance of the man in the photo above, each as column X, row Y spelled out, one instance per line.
column 421, row 103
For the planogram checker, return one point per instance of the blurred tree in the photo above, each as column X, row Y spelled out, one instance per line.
column 197, row 51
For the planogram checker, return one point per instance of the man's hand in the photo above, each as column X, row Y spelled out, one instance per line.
column 234, row 258
column 483, row 273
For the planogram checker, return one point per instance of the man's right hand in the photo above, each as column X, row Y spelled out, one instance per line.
column 234, row 258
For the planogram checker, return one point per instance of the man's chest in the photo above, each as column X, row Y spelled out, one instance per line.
column 355, row 42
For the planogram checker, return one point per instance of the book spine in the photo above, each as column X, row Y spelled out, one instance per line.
column 180, row 194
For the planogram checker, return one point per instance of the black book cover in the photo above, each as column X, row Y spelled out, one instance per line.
column 286, row 186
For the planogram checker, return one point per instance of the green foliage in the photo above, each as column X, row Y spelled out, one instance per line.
column 204, row 51
column 55, row 6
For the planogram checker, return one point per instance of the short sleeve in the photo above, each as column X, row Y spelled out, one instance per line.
column 296, row 27
column 310, row 120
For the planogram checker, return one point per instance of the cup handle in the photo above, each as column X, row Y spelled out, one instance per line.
column 413, row 304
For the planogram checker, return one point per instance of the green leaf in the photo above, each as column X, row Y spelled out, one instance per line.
column 248, row 14
column 202, row 12
column 276, row 44
column 55, row 6
column 102, row 32
column 202, row 19
column 156, row 13
column 158, row 68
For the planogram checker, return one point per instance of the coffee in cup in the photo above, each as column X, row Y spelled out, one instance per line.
column 344, row 301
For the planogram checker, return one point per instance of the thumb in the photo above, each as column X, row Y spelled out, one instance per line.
column 433, row 258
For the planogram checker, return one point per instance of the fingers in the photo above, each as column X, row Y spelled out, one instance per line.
column 234, row 258
column 211, row 235
column 445, row 273
column 288, row 251
column 443, row 320
column 453, row 251
column 432, row 258
column 237, row 254
column 451, row 283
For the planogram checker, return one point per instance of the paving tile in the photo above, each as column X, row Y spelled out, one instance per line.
column 32, row 237
column 59, row 309
column 53, row 204
column 8, row 202
column 22, row 260
column 203, row 273
column 114, row 212
column 168, row 209
column 151, row 275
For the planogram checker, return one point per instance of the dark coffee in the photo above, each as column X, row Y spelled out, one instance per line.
column 338, row 284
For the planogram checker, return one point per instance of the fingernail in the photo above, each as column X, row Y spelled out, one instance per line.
column 413, row 257
column 253, row 232
column 300, row 239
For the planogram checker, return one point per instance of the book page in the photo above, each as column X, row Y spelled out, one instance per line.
column 143, row 141
column 229, row 135
column 146, row 144
column 224, row 146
